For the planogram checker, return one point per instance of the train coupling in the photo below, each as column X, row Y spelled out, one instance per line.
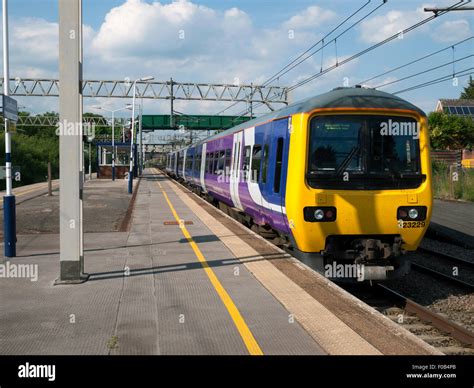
column 371, row 249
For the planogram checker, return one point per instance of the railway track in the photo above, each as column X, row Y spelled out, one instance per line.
column 446, row 257
column 444, row 268
column 435, row 329
column 442, row 276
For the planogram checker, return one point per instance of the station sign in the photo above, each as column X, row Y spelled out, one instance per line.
column 9, row 108
column 15, row 173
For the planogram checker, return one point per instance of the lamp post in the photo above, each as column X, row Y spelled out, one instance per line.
column 130, row 172
column 9, row 206
column 113, row 132
column 140, row 124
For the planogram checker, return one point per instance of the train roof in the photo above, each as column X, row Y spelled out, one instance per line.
column 343, row 97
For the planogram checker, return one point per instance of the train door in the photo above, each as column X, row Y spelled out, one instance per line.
column 184, row 163
column 175, row 163
column 272, row 180
column 202, row 170
column 235, row 170
column 274, row 159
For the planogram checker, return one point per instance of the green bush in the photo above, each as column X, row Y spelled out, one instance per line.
column 463, row 188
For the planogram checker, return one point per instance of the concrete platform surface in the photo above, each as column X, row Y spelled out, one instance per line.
column 105, row 207
column 458, row 216
column 183, row 279
column 147, row 294
column 452, row 220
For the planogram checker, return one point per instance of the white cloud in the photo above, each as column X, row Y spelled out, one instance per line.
column 380, row 27
column 141, row 38
column 33, row 44
column 452, row 31
column 311, row 17
column 137, row 28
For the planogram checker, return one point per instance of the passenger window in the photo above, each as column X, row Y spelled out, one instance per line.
column 208, row 162
column 246, row 164
column 211, row 163
column 197, row 163
column 247, row 153
column 228, row 158
column 278, row 165
column 216, row 161
column 221, row 162
column 256, row 160
column 265, row 163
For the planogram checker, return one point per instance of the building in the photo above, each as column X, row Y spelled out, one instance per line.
column 457, row 107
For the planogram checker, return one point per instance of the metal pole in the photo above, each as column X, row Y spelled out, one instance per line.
column 140, row 160
column 451, row 182
column 171, row 104
column 9, row 205
column 251, row 99
column 90, row 161
column 70, row 113
column 113, row 146
column 130, row 172
column 83, row 159
column 50, row 183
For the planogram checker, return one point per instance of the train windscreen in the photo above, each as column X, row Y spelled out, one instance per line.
column 364, row 152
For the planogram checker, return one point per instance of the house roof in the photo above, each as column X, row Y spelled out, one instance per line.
column 459, row 107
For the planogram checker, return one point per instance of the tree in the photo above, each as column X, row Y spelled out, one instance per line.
column 450, row 132
column 468, row 93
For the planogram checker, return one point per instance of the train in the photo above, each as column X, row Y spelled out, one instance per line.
column 341, row 179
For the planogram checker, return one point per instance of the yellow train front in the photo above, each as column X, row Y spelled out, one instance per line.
column 358, row 192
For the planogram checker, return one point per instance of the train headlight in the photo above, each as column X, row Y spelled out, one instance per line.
column 412, row 213
column 319, row 214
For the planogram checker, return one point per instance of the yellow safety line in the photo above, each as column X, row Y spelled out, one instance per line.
column 16, row 194
column 245, row 333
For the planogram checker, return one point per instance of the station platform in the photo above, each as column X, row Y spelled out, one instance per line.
column 453, row 220
column 25, row 193
column 184, row 278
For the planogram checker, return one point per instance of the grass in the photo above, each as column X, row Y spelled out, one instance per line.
column 112, row 343
column 462, row 189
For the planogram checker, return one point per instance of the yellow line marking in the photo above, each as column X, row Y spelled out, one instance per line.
column 244, row 331
column 16, row 194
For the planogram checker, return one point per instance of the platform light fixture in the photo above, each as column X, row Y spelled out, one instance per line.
column 130, row 172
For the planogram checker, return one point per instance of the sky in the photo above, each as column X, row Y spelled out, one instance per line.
column 224, row 41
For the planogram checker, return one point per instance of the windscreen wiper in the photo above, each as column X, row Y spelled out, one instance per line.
column 340, row 169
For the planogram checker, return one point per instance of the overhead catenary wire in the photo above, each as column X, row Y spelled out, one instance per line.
column 373, row 47
column 322, row 40
column 333, row 40
column 369, row 49
column 293, row 63
column 459, row 74
column 424, row 72
column 416, row 60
